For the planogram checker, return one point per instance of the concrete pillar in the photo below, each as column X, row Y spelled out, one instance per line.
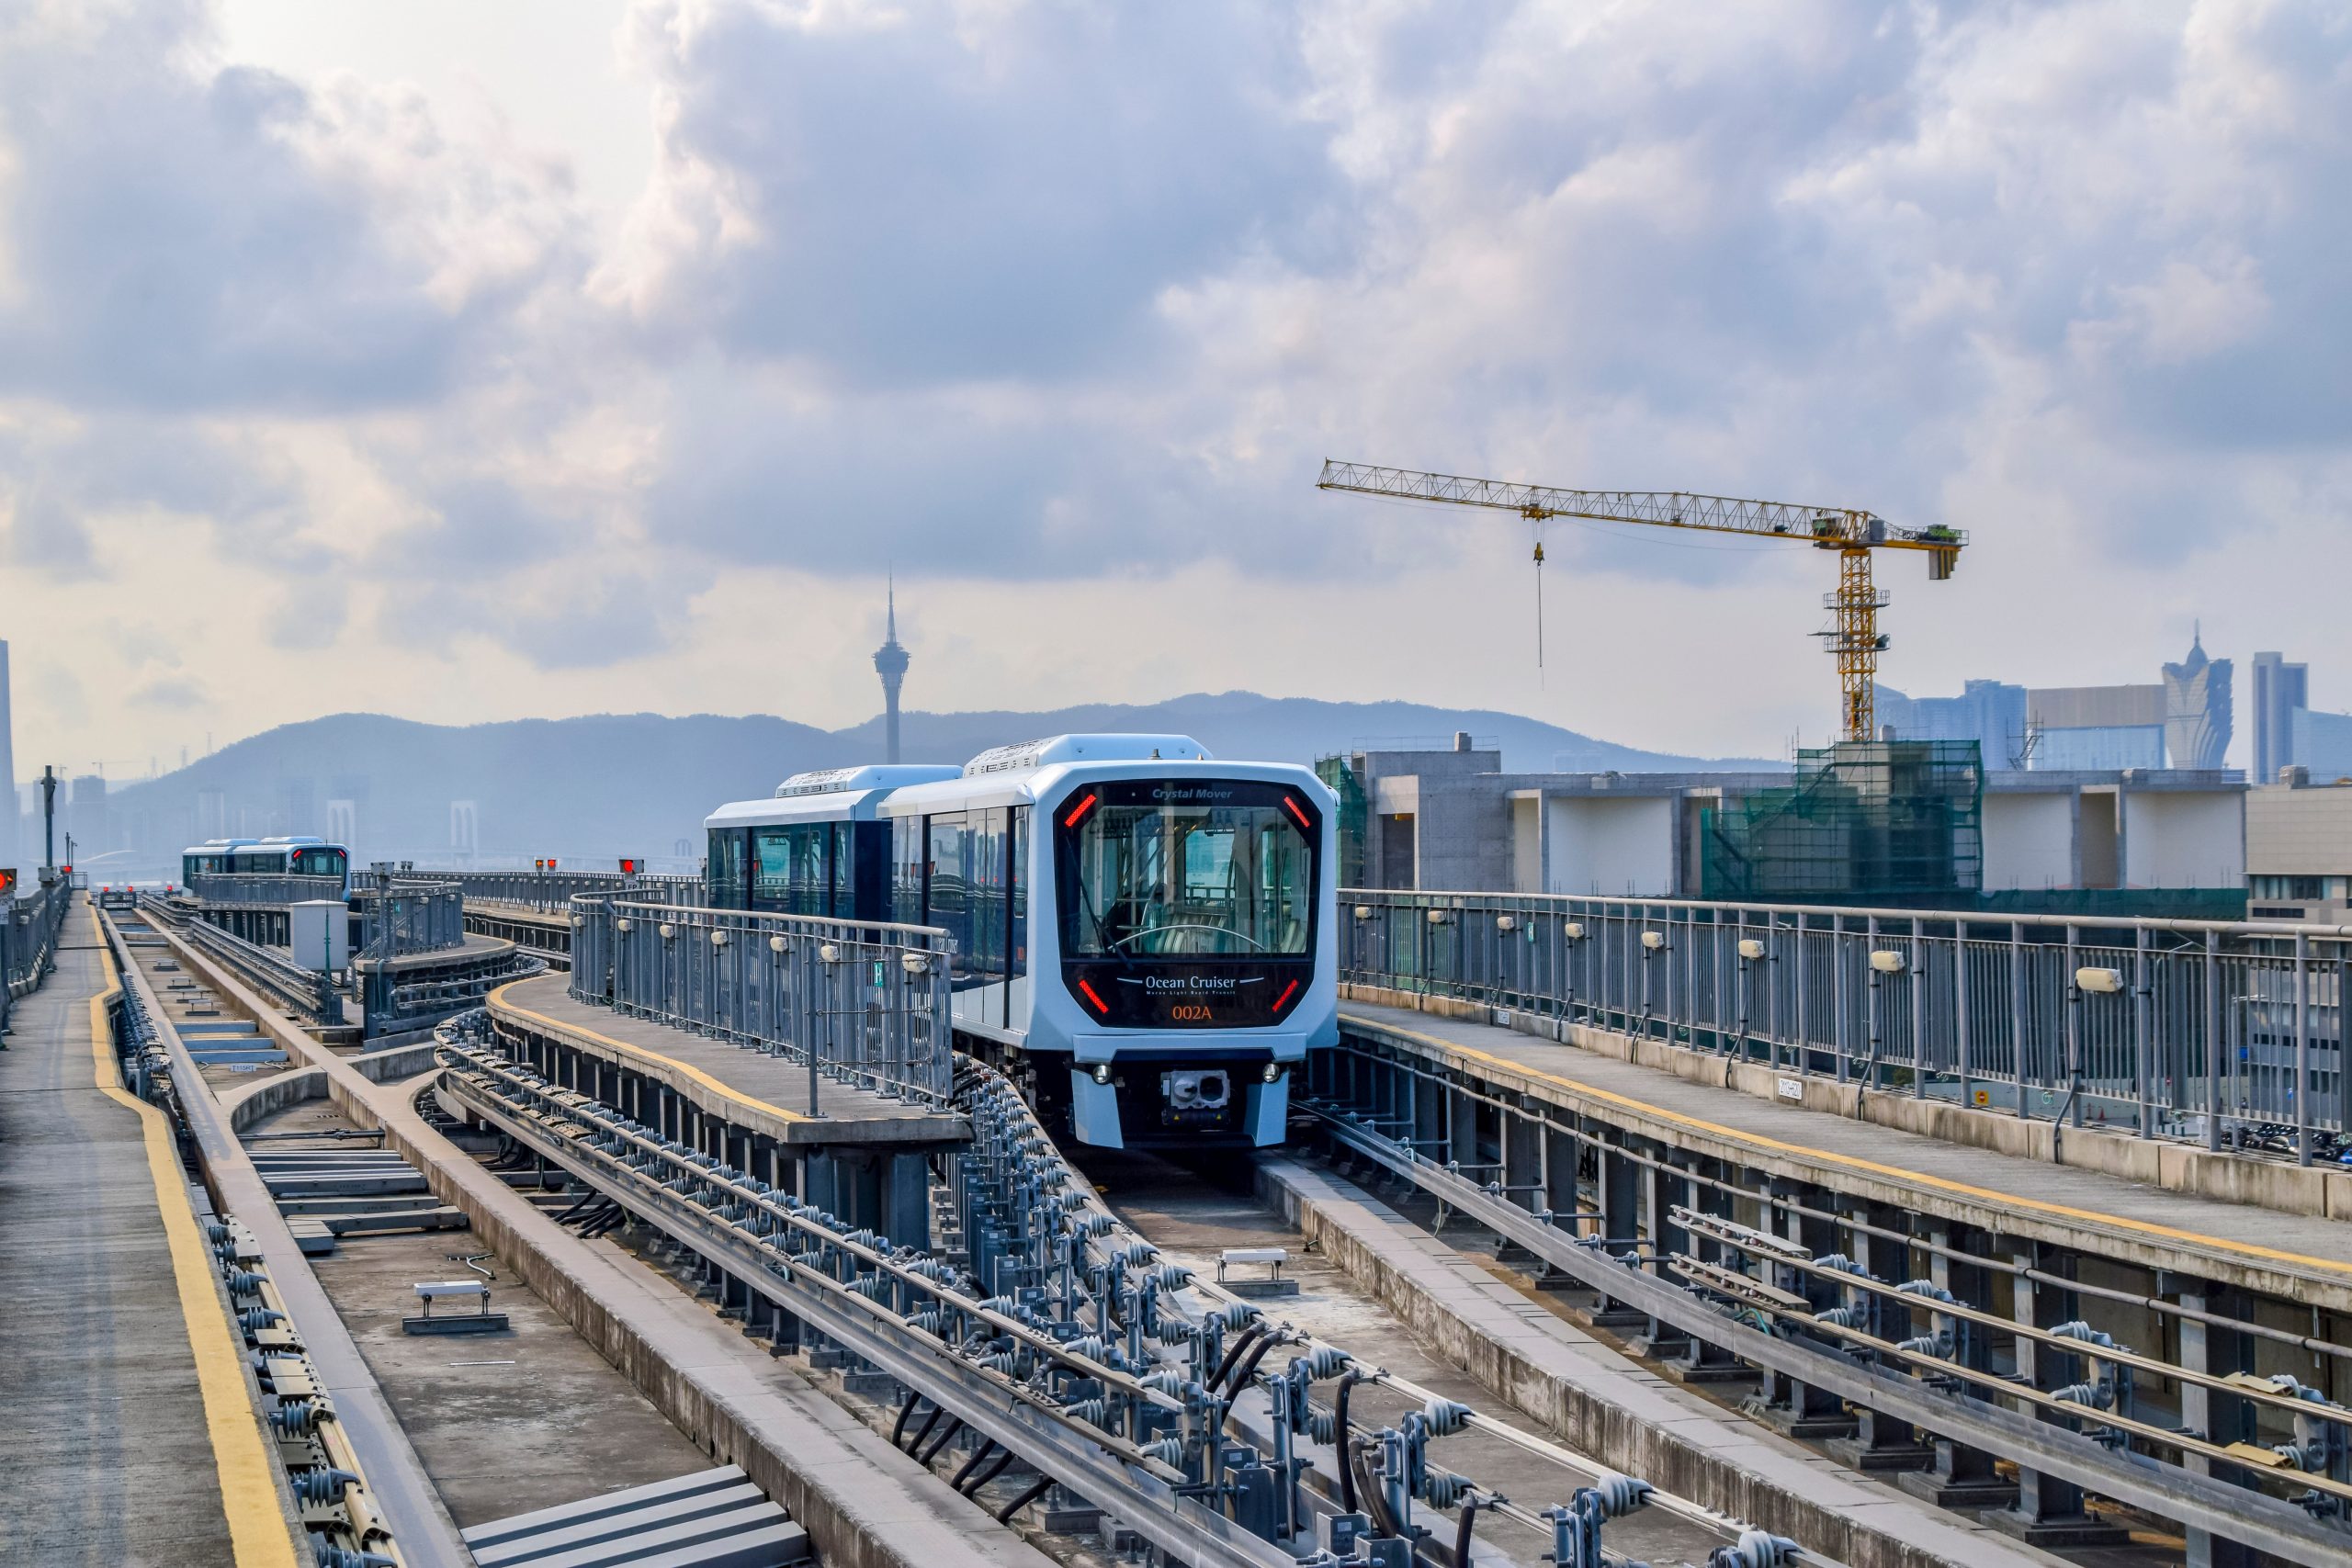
column 1881, row 1442
column 2206, row 1347
column 1621, row 1223
column 1797, row 1407
column 2049, row 1511
column 1959, row 1476
column 906, row 1200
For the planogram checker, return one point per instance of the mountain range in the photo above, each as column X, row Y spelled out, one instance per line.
column 588, row 789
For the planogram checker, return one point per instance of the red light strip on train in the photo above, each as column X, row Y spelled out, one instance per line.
column 1288, row 991
column 1295, row 811
column 1082, row 808
column 1101, row 1006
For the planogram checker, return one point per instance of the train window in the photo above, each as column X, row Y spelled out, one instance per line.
column 729, row 853
column 908, row 853
column 948, row 900
column 988, row 863
column 1017, row 921
column 843, row 899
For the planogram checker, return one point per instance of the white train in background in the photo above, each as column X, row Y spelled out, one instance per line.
column 1145, row 936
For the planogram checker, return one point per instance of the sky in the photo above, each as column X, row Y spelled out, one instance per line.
column 468, row 362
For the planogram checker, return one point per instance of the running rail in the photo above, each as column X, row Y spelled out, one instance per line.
column 1075, row 1349
column 309, row 993
column 1770, row 1325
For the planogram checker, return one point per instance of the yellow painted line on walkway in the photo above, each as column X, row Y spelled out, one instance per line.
column 257, row 1531
column 498, row 1000
column 1984, row 1194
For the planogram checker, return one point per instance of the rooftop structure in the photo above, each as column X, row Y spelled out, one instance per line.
column 1913, row 822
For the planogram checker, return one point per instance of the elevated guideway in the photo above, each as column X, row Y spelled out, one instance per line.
column 130, row 1436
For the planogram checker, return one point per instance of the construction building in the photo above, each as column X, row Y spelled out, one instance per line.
column 1921, row 824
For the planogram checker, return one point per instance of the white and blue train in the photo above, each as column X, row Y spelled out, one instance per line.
column 301, row 856
column 1146, row 938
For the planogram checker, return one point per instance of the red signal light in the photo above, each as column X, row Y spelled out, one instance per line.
column 1295, row 811
column 1100, row 1005
column 1079, row 811
column 1288, row 991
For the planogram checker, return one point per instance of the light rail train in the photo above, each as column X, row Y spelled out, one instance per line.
column 1144, row 936
column 297, row 856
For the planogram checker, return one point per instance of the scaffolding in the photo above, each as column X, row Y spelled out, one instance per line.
column 1335, row 772
column 1864, row 822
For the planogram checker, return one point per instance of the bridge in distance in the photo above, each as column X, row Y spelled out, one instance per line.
column 1607, row 1231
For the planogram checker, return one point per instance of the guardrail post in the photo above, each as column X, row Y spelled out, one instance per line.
column 2215, row 1046
column 2140, row 1048
column 1963, row 1048
column 2018, row 1013
column 2303, row 1050
column 2073, row 1110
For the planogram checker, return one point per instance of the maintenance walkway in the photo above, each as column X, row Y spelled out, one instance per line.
column 2256, row 1249
column 116, row 1367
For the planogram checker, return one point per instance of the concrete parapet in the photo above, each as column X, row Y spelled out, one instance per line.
column 271, row 1096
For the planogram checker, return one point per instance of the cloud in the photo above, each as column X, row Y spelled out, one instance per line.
column 186, row 234
column 1034, row 298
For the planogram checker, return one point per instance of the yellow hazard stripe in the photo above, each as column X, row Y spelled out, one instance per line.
column 1852, row 1162
column 498, row 1000
column 241, row 1452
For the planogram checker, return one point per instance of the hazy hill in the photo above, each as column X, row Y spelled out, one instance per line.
column 588, row 789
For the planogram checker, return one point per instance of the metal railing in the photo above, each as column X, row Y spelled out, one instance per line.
column 2231, row 1032
column 401, row 915
column 398, row 998
column 261, row 889
column 864, row 1004
column 551, row 892
column 30, row 932
column 308, row 993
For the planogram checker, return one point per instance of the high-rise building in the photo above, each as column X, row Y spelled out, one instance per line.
column 2196, row 709
column 12, row 836
column 890, row 662
column 1990, row 713
column 2280, row 689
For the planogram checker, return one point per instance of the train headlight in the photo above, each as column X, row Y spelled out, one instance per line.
column 1273, row 1073
column 1102, row 1072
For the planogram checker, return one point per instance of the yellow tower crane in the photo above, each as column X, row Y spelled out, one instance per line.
column 1854, row 639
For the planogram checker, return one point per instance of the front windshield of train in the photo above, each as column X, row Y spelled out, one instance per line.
column 1231, row 877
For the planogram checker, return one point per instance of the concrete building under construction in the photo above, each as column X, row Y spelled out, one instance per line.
column 1922, row 824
